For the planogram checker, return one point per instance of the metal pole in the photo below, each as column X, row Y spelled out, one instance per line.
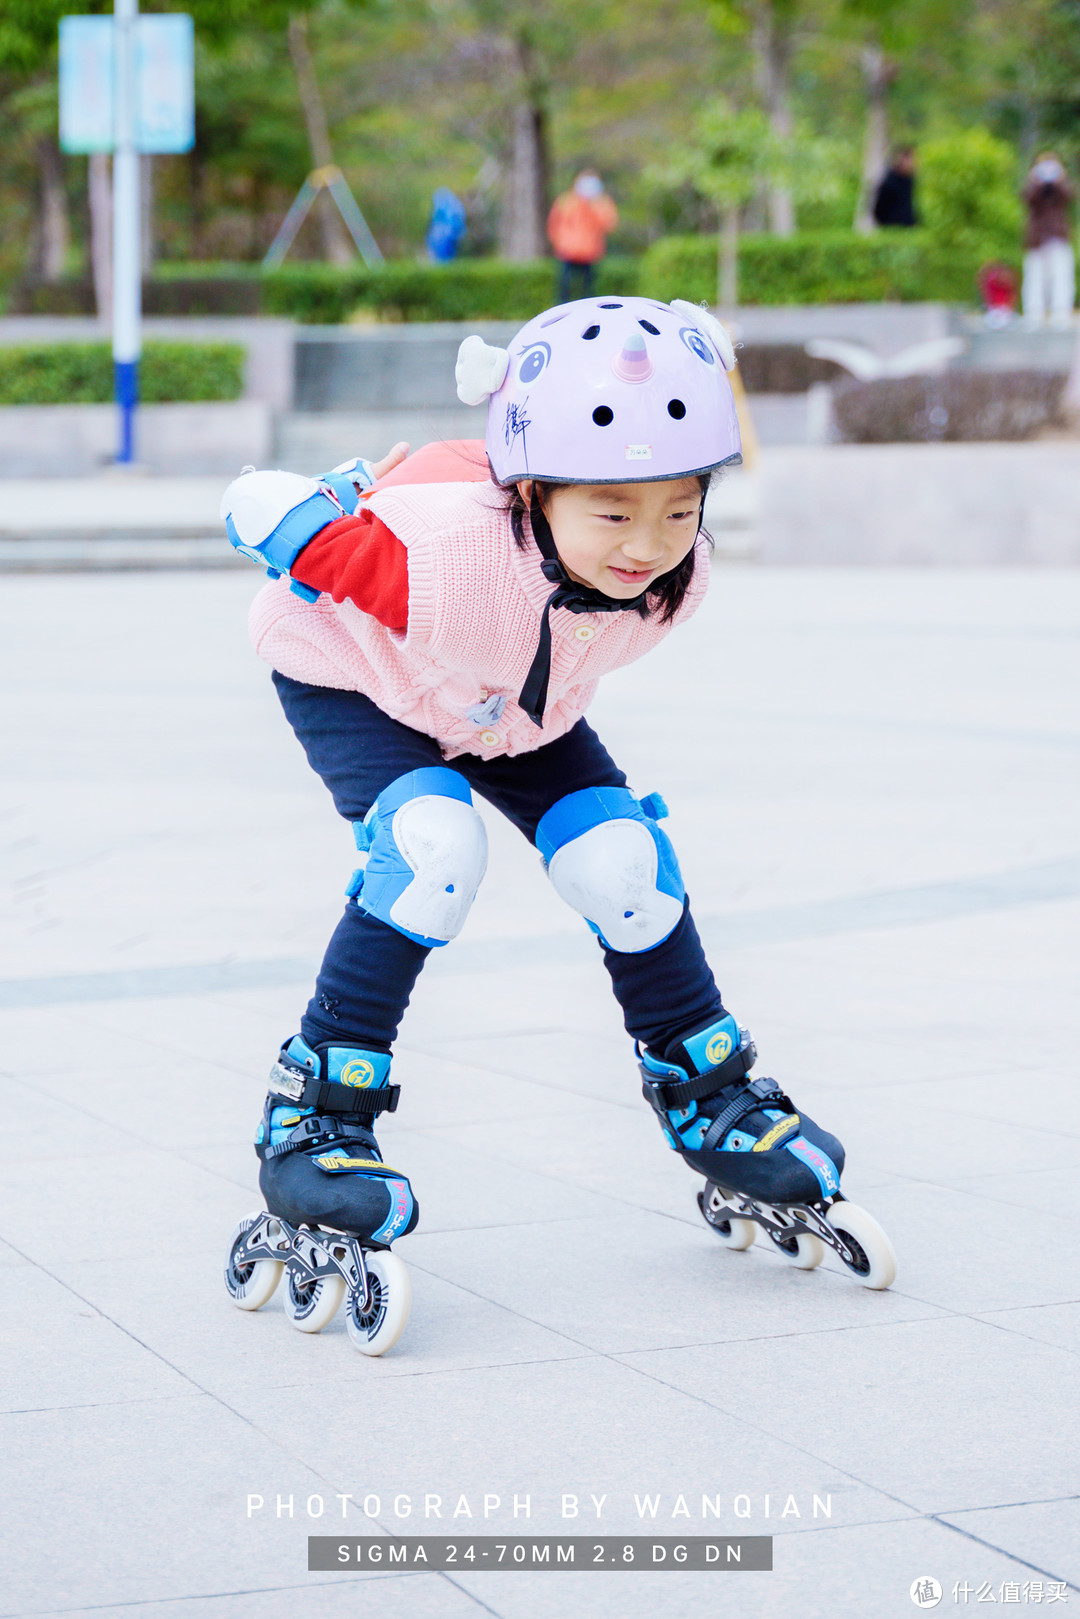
column 127, row 287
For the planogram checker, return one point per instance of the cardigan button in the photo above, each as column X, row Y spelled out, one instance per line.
column 490, row 739
column 584, row 632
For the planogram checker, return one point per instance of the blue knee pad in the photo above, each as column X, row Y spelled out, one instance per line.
column 607, row 858
column 427, row 851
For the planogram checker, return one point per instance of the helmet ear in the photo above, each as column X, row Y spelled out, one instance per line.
column 480, row 370
column 708, row 323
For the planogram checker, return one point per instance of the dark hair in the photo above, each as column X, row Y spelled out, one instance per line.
column 667, row 594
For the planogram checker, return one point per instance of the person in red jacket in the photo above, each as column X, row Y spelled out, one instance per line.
column 578, row 226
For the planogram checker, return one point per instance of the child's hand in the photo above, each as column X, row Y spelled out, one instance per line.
column 349, row 481
column 392, row 459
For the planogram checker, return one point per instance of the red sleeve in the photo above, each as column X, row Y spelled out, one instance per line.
column 358, row 559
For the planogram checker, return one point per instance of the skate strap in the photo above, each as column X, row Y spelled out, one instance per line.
column 307, row 1090
column 759, row 1093
column 318, row 1131
column 678, row 1092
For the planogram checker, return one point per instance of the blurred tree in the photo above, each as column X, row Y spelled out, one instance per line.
column 890, row 36
column 530, row 46
column 970, row 184
column 503, row 100
column 28, row 57
column 732, row 153
column 773, row 27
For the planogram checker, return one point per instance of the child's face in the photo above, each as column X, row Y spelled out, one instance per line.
column 620, row 538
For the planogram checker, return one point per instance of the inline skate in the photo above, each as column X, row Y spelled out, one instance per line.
column 765, row 1164
column 332, row 1205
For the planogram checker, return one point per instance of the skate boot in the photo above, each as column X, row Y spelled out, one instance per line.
column 332, row 1205
column 765, row 1164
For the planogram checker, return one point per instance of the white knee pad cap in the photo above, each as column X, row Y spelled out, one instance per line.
column 445, row 843
column 427, row 852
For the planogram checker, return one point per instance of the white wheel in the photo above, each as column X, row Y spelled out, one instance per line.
column 802, row 1251
column 875, row 1261
column 312, row 1305
column 736, row 1233
column 250, row 1285
column 382, row 1323
column 733, row 1231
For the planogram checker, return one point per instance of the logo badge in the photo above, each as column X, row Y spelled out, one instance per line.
column 718, row 1048
column 639, row 452
column 357, row 1072
column 925, row 1591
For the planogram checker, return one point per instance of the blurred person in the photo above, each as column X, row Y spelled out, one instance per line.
column 578, row 226
column 999, row 289
column 894, row 201
column 436, row 627
column 447, row 226
column 1049, row 265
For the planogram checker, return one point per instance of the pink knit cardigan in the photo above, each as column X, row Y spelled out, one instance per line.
column 475, row 605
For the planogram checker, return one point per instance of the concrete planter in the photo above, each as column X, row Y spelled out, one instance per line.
column 961, row 407
column 77, row 440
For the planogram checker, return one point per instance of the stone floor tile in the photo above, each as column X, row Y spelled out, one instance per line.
column 859, row 1572
column 591, row 1429
column 1057, row 1324
column 644, row 1280
column 938, row 1413
column 182, row 1313
column 112, row 1206
column 396, row 1596
column 956, row 1249
column 146, row 1499
column 60, row 1350
column 1043, row 1534
column 561, row 1060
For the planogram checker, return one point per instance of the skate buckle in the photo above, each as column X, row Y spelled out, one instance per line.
column 286, row 1082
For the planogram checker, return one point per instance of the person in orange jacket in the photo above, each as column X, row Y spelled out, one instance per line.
column 578, row 226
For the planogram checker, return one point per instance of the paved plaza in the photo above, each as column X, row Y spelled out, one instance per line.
column 872, row 777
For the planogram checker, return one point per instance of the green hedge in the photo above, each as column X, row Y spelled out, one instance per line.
column 82, row 373
column 819, row 267
column 468, row 289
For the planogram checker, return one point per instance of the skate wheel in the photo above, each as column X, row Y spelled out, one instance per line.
column 382, row 1323
column 733, row 1231
column 311, row 1303
column 252, row 1284
column 801, row 1250
column 875, row 1261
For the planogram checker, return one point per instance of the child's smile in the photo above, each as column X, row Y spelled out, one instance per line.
column 621, row 538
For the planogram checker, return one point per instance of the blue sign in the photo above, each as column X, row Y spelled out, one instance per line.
column 164, row 83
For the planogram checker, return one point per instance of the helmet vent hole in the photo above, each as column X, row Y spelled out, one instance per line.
column 649, row 327
column 590, row 332
column 676, row 408
column 603, row 416
column 553, row 320
column 611, row 306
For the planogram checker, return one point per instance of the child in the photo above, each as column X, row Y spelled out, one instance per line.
column 446, row 635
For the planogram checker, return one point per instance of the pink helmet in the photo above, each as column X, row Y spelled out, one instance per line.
column 606, row 390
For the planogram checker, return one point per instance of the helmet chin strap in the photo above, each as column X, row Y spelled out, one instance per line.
column 576, row 598
column 568, row 593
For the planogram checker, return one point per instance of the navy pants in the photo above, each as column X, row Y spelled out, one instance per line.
column 369, row 969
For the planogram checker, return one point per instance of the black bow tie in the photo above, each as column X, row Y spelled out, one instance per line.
column 576, row 598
